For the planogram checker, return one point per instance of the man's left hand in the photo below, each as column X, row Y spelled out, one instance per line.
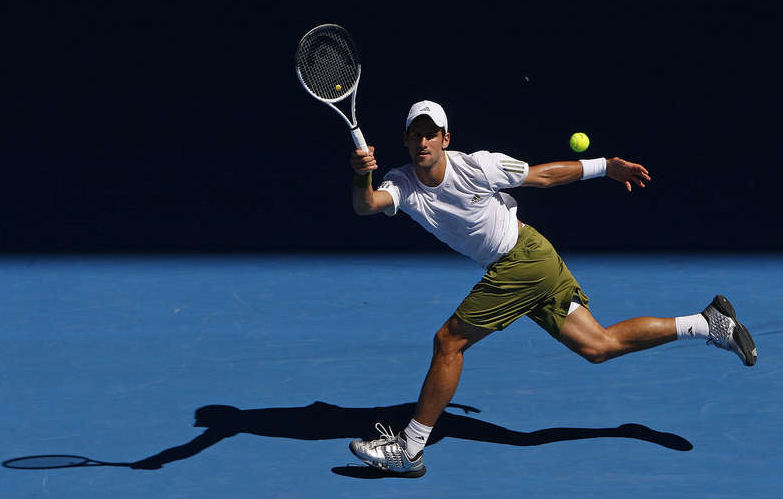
column 627, row 172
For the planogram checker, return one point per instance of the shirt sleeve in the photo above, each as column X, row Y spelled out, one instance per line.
column 393, row 183
column 502, row 171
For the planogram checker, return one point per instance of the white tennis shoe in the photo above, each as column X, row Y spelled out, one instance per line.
column 389, row 453
column 727, row 332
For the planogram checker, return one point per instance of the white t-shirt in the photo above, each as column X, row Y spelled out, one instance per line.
column 465, row 211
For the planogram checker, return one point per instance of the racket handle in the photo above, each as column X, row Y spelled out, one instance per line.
column 358, row 139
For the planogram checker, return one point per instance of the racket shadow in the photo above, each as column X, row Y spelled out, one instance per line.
column 55, row 461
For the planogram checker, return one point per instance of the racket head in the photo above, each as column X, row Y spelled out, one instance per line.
column 48, row 462
column 327, row 63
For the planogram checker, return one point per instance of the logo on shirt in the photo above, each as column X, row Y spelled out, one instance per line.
column 475, row 199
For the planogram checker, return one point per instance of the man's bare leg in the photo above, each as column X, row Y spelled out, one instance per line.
column 585, row 336
column 718, row 324
column 403, row 453
column 450, row 342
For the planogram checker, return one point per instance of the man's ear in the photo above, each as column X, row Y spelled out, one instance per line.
column 446, row 139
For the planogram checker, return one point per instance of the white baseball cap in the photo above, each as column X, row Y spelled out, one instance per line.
column 431, row 109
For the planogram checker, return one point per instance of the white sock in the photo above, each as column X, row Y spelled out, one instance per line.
column 692, row 327
column 416, row 434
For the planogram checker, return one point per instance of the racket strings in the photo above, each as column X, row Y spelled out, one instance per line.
column 47, row 462
column 328, row 61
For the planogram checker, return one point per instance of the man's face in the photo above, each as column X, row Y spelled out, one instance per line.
column 425, row 142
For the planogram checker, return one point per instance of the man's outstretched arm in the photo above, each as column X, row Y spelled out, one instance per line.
column 565, row 172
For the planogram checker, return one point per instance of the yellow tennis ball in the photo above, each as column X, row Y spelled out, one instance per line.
column 338, row 87
column 579, row 142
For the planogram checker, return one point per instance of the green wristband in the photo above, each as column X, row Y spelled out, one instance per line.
column 362, row 181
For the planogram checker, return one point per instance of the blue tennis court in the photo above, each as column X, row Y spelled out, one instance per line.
column 109, row 357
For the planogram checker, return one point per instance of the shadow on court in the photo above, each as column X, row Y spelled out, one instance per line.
column 322, row 421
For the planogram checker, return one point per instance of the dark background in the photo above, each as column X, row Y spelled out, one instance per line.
column 182, row 127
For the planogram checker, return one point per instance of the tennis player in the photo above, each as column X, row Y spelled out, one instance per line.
column 457, row 197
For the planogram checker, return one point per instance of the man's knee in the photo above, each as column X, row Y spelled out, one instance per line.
column 448, row 339
column 596, row 350
column 593, row 355
column 456, row 336
column 585, row 336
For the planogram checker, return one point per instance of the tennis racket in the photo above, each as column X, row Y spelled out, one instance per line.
column 327, row 64
column 55, row 461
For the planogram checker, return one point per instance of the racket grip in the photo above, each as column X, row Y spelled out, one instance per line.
column 358, row 139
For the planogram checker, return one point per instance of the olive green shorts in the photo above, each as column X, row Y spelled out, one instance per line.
column 530, row 280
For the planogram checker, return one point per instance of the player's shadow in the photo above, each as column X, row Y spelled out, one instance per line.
column 322, row 421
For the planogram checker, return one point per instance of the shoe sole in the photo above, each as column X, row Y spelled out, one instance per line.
column 389, row 473
column 740, row 334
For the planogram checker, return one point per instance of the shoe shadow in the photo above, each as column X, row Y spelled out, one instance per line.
column 322, row 421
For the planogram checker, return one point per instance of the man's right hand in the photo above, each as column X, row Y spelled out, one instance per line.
column 363, row 162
